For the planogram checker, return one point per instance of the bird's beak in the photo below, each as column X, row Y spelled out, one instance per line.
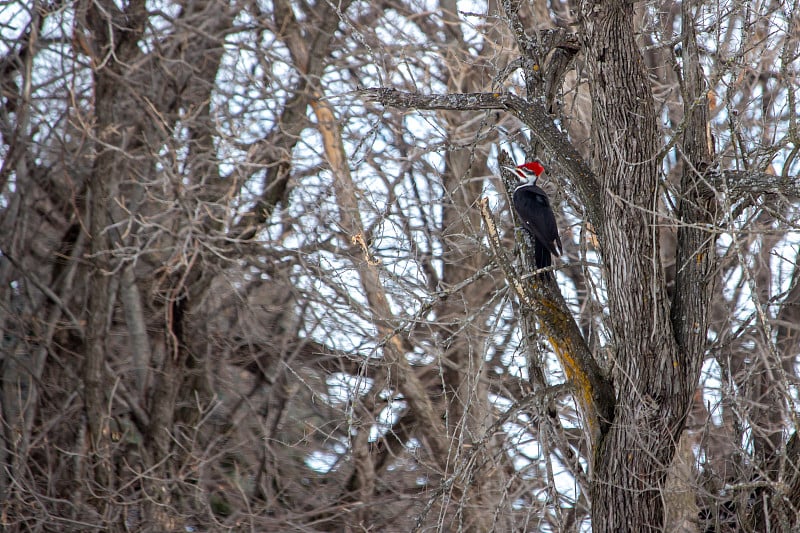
column 513, row 170
column 516, row 173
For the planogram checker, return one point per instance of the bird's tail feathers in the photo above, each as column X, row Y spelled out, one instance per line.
column 542, row 258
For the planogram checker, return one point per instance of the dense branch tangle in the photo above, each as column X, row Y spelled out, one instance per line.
column 660, row 340
column 233, row 296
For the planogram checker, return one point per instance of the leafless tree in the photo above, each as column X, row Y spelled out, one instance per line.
column 258, row 270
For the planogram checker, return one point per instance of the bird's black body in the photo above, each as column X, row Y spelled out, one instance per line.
column 537, row 217
column 533, row 207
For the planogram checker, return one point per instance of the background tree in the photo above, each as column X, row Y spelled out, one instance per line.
column 238, row 291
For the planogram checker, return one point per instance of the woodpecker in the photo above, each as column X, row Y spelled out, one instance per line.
column 533, row 207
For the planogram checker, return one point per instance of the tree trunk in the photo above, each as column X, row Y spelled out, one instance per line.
column 630, row 462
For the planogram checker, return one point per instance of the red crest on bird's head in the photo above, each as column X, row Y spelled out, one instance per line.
column 530, row 171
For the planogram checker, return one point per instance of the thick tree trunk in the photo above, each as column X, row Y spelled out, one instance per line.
column 116, row 34
column 631, row 461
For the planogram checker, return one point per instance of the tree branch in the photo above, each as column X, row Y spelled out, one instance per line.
column 52, row 296
column 695, row 254
column 740, row 184
column 544, row 58
column 351, row 222
column 541, row 125
column 594, row 390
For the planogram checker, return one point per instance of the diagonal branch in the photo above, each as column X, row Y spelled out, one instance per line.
column 594, row 390
column 532, row 114
column 394, row 351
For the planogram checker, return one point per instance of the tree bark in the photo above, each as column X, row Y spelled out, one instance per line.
column 630, row 463
column 115, row 35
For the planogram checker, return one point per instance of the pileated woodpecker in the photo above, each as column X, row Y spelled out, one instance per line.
column 533, row 208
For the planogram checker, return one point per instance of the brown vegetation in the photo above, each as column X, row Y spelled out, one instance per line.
column 257, row 270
